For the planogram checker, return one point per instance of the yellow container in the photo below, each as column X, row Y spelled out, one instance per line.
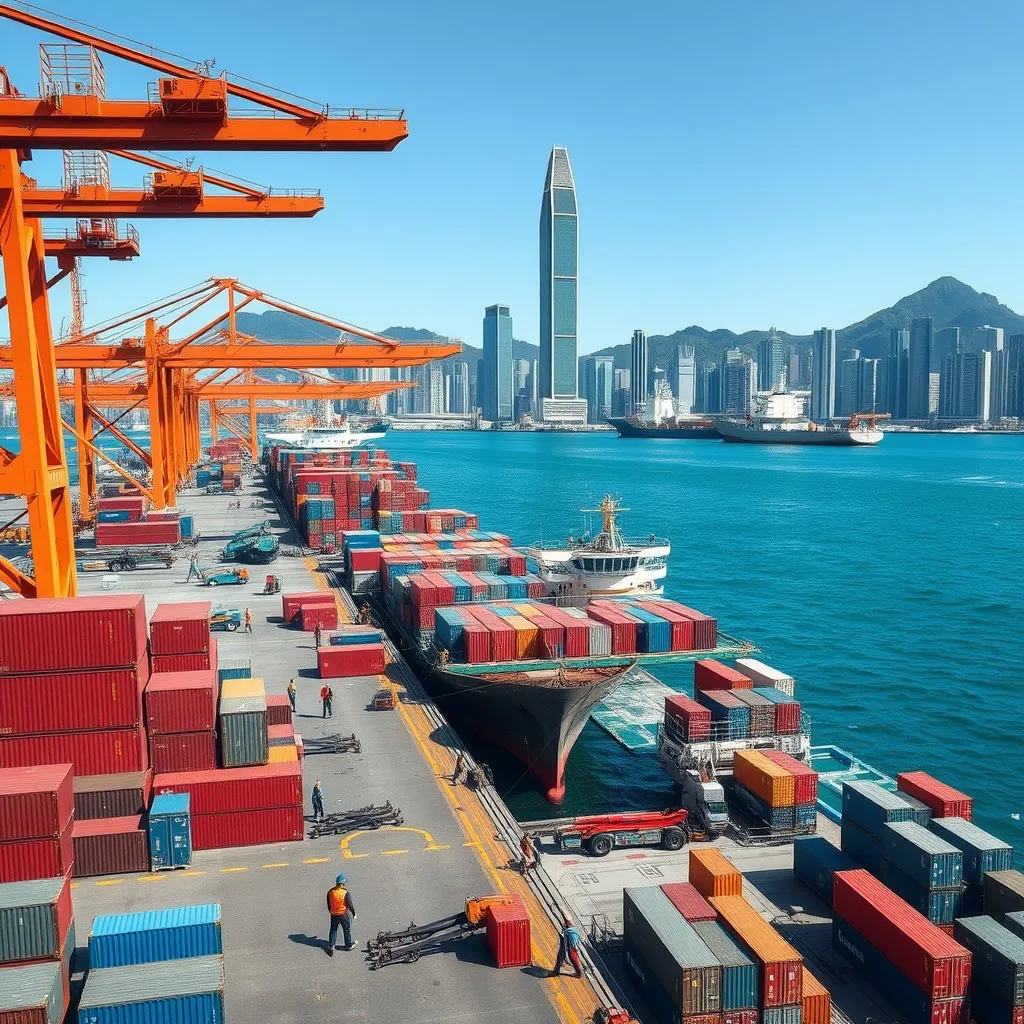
column 527, row 637
column 242, row 688
column 711, row 874
column 764, row 778
column 527, row 610
column 283, row 754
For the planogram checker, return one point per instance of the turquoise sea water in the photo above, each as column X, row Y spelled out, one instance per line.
column 887, row 581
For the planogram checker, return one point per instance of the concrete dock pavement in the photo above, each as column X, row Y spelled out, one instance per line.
column 274, row 897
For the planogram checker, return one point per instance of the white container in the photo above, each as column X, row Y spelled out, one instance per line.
column 765, row 675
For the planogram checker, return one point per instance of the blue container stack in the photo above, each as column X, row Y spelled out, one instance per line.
column 654, row 634
column 449, row 626
column 737, row 719
column 997, row 969
column 867, row 809
column 982, row 853
column 922, row 869
column 170, row 832
column 816, row 860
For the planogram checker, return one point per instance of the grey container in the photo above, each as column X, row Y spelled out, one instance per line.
column 33, row 987
column 922, row 855
column 175, row 990
column 739, row 972
column 684, row 966
column 782, row 1015
column 1015, row 922
column 1004, row 893
column 982, row 852
column 922, row 812
column 243, row 731
column 870, row 807
column 997, row 961
column 30, row 922
column 233, row 668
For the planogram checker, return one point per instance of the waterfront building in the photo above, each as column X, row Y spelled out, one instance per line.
column 685, row 378
column 793, row 378
column 638, row 370
column 620, row 402
column 967, row 386
column 897, row 368
column 849, row 384
column 823, row 381
column 598, row 386
column 991, row 339
column 771, row 363
column 1013, row 374
column 497, row 394
column 559, row 282
column 708, row 391
column 459, row 388
column 738, row 377
column 919, row 397
column 870, row 378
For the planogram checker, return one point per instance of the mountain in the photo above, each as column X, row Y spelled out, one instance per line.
column 469, row 354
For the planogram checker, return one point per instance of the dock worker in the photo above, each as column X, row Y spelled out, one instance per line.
column 324, row 691
column 343, row 913
column 248, row 620
column 293, row 691
column 329, row 703
column 318, row 636
column 568, row 948
column 460, row 768
column 193, row 569
column 529, row 852
column 318, row 800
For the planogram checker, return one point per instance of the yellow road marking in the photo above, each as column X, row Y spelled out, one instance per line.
column 74, row 885
column 150, row 878
column 436, row 846
column 317, row 860
column 191, row 874
column 228, row 871
column 349, row 855
column 110, row 881
column 391, row 853
column 280, row 864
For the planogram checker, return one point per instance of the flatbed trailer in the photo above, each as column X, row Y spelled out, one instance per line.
column 599, row 834
column 125, row 559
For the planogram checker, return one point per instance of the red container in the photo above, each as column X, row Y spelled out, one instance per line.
column 279, row 710
column 787, row 718
column 805, row 778
column 552, row 636
column 323, row 615
column 290, row 603
column 945, row 801
column 577, row 632
column 350, row 660
column 134, row 505
column 183, row 752
column 104, row 752
column 110, row 846
column 939, row 966
column 423, row 592
column 236, row 789
column 705, row 628
column 281, row 733
column 364, row 559
column 694, row 719
column 112, row 796
column 137, row 534
column 478, row 643
column 71, row 701
column 682, row 625
column 180, row 628
column 713, row 675
column 741, row 1017
column 67, row 633
column 508, row 934
column 176, row 663
column 247, row 828
column 689, row 902
column 181, row 702
column 36, row 802
column 503, row 636
column 24, row 859
column 623, row 626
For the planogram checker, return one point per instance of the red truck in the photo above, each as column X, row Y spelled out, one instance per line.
column 599, row 834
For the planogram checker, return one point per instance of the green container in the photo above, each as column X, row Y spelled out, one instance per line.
column 243, row 731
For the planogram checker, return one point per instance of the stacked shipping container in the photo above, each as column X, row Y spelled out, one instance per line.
column 776, row 789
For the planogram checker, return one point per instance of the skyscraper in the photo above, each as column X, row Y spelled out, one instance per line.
column 1013, row 354
column 686, row 382
column 708, row 390
column 771, row 363
column 871, row 383
column 897, row 370
column 738, row 378
column 823, row 382
column 598, row 380
column 849, row 384
column 967, row 387
column 460, row 390
column 918, row 381
column 559, row 271
column 496, row 399
column 638, row 370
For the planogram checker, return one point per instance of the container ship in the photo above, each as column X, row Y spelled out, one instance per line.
column 697, row 428
column 517, row 648
column 778, row 419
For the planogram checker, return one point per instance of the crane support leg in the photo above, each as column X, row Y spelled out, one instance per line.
column 160, row 422
column 214, row 422
column 253, row 442
column 84, row 436
column 40, row 470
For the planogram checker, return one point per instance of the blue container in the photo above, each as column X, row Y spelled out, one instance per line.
column 361, row 538
column 870, row 807
column 972, row 902
column 738, row 719
column 864, row 848
column 177, row 933
column 782, row 1015
column 120, row 515
column 234, row 668
column 998, row 958
column 816, row 860
column 463, row 591
column 806, row 815
column 654, row 633
column 922, row 812
column 170, row 832
column 364, row 636
column 940, row 906
column 448, row 628
column 178, row 990
column 203, row 478
column 775, row 696
column 187, row 523
column 982, row 852
column 739, row 972
column 887, row 978
column 778, row 819
column 515, row 587
column 922, row 855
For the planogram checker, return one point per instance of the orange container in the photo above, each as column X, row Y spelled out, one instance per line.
column 711, row 874
column 770, row 781
column 282, row 754
column 527, row 637
column 782, row 967
column 817, row 1003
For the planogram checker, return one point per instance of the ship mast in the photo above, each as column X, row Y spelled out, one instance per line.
column 608, row 508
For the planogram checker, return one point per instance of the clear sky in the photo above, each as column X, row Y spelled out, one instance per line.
column 737, row 164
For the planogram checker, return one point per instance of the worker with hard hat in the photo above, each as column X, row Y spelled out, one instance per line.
column 343, row 913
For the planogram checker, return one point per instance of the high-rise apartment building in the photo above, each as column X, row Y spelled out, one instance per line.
column 685, row 380
column 496, row 399
column 967, row 386
column 559, row 278
column 459, row 389
column 638, row 380
column 772, row 369
column 918, row 368
column 823, row 382
column 849, row 384
column 1013, row 374
column 870, row 385
column 897, row 368
column 708, row 390
column 738, row 380
column 598, row 386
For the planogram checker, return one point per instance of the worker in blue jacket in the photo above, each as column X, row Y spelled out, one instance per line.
column 568, row 948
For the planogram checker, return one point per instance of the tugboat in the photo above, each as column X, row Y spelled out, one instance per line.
column 779, row 419
column 609, row 565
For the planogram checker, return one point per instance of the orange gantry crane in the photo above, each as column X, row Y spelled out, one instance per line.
column 189, row 110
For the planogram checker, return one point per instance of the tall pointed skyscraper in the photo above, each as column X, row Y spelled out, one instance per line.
column 559, row 259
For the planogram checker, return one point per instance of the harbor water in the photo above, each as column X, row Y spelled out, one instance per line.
column 887, row 581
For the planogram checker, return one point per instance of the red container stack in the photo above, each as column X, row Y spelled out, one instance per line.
column 141, row 534
column 110, row 846
column 134, row 504
column 186, row 662
column 713, row 675
column 291, row 603
column 180, row 628
column 944, row 801
column 350, row 660
column 705, row 628
column 183, row 751
column 805, row 778
column 622, row 624
column 37, row 810
column 508, row 934
column 279, row 710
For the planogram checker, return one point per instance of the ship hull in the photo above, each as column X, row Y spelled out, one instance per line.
column 537, row 724
column 742, row 434
column 697, row 432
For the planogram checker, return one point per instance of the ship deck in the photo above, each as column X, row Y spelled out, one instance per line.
column 273, row 897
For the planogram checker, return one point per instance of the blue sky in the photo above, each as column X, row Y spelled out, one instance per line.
column 737, row 164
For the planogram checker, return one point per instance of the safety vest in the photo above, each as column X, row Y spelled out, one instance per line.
column 337, row 900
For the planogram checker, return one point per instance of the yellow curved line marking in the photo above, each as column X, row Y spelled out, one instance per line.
column 428, row 839
column 110, row 881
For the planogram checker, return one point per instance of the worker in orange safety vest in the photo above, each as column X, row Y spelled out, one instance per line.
column 343, row 913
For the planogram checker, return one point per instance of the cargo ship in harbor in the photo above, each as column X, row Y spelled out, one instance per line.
column 779, row 419
column 696, row 428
